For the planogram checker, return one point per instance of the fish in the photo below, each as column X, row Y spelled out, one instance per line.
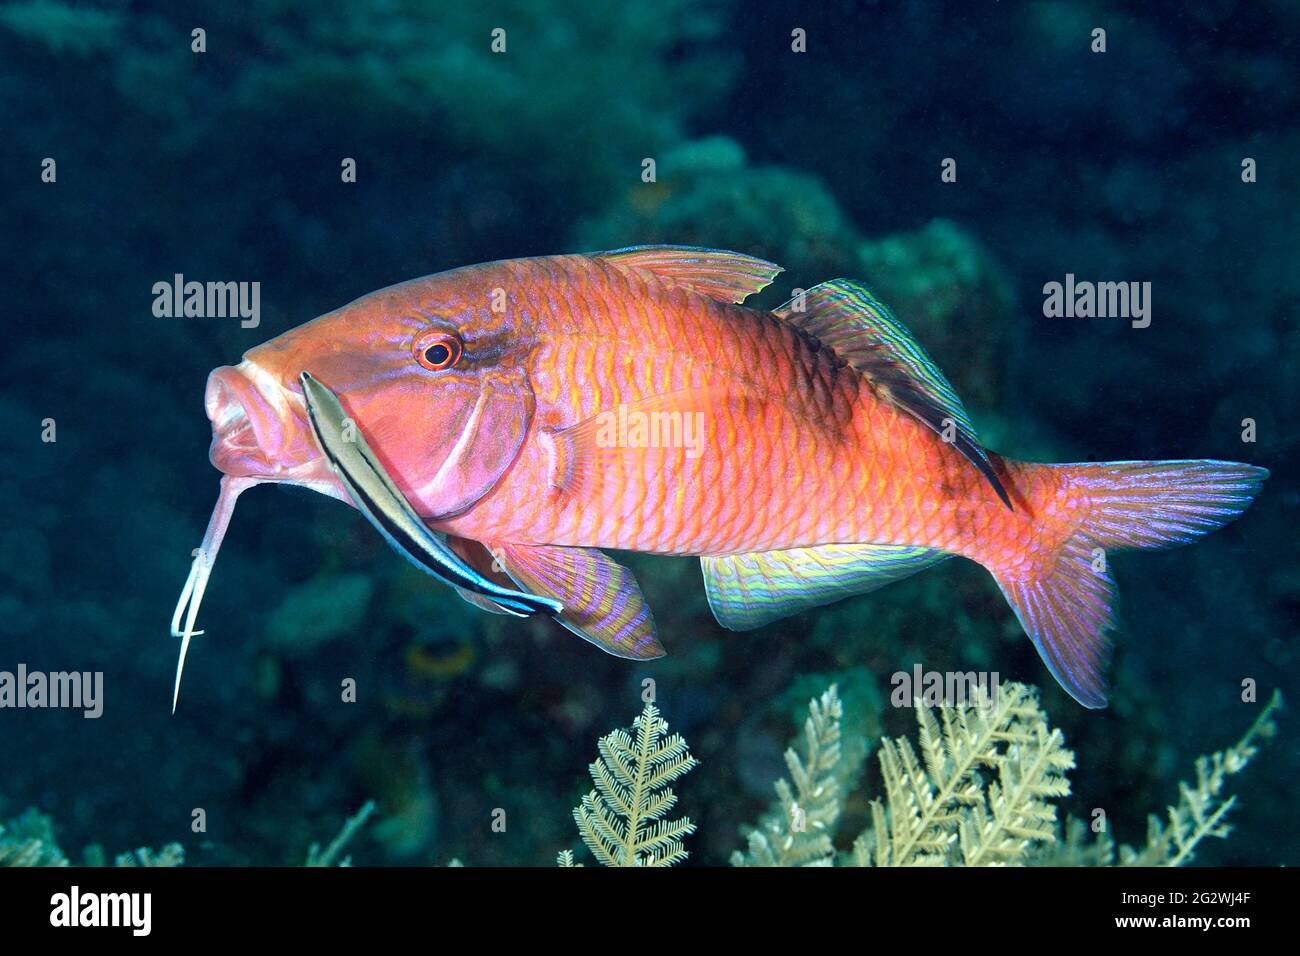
column 505, row 424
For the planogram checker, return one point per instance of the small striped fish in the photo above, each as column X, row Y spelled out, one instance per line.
column 534, row 411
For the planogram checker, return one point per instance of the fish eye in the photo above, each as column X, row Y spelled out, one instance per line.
column 437, row 351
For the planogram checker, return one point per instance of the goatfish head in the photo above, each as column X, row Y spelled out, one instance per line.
column 433, row 375
column 430, row 371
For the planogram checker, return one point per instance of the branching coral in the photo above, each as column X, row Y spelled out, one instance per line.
column 28, row 840
column 977, row 789
column 622, row 820
column 1200, row 812
column 798, row 830
column 1201, row 808
column 980, row 792
column 173, row 854
column 351, row 826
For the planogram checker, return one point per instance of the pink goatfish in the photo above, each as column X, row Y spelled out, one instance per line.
column 501, row 423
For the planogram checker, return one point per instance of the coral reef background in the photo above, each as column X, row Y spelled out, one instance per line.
column 225, row 165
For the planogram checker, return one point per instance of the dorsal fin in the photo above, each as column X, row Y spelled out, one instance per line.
column 844, row 316
column 716, row 273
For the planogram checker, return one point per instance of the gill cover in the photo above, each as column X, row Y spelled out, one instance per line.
column 489, row 441
column 377, row 497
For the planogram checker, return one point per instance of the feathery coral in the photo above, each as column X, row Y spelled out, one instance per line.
column 946, row 809
column 173, row 854
column 622, row 820
column 1200, row 812
column 1201, row 808
column 798, row 830
column 28, row 840
column 351, row 826
column 979, row 793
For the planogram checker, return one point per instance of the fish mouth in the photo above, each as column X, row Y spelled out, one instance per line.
column 252, row 417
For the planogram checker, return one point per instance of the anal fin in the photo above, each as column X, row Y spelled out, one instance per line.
column 746, row 591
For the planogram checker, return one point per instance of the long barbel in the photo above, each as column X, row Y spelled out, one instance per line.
column 376, row 496
column 201, row 569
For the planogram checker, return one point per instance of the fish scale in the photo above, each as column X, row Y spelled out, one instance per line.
column 782, row 392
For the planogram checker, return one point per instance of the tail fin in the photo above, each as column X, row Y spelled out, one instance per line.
column 1069, row 612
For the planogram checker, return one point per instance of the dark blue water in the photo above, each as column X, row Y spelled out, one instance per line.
column 1168, row 159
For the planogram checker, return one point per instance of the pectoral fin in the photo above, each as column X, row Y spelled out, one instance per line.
column 602, row 602
column 480, row 559
column 747, row 591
